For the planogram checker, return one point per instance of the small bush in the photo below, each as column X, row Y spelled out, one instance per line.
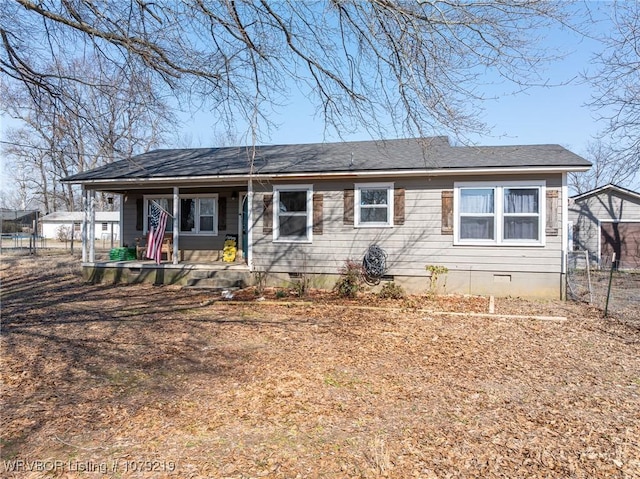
column 280, row 293
column 260, row 281
column 301, row 286
column 350, row 281
column 435, row 271
column 391, row 290
column 63, row 233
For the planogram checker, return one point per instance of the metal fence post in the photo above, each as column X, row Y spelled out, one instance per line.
column 606, row 306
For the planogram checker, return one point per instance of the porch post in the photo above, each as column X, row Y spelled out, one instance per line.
column 85, row 223
column 250, row 223
column 92, row 226
column 121, row 222
column 176, row 225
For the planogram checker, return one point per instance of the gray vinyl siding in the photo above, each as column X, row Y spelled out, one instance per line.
column 587, row 213
column 410, row 247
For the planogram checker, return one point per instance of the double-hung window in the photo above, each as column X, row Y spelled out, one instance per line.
column 292, row 219
column 521, row 209
column 507, row 213
column 198, row 213
column 374, row 204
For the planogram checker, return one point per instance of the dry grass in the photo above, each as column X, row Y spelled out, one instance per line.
column 121, row 379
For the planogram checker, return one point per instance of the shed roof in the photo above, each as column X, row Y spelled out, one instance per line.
column 607, row 188
column 435, row 153
column 13, row 215
column 78, row 216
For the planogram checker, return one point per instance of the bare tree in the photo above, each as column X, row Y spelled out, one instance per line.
column 608, row 167
column 21, row 195
column 90, row 128
column 415, row 67
column 616, row 83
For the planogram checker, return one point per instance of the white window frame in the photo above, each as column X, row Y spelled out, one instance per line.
column 358, row 187
column 499, row 215
column 196, row 231
column 276, row 213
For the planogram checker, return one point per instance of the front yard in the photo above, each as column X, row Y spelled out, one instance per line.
column 144, row 381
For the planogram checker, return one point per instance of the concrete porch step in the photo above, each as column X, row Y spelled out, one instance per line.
column 219, row 280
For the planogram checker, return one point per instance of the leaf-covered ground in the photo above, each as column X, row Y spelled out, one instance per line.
column 144, row 381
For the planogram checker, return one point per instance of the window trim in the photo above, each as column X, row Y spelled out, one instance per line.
column 276, row 213
column 216, row 212
column 358, row 187
column 499, row 215
column 197, row 196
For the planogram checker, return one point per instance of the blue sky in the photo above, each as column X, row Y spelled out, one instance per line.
column 554, row 114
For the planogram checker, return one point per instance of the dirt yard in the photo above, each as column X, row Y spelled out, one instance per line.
column 144, row 381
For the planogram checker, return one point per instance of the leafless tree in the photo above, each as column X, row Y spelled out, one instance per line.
column 617, row 83
column 402, row 67
column 91, row 127
column 608, row 167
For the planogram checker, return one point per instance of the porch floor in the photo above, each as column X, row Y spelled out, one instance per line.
column 215, row 265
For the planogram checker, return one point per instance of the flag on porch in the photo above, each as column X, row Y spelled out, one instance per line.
column 157, row 223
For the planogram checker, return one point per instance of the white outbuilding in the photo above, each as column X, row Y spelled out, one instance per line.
column 62, row 224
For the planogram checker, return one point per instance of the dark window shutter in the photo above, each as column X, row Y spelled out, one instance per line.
column 139, row 214
column 347, row 217
column 552, row 213
column 447, row 212
column 222, row 214
column 317, row 213
column 267, row 214
column 398, row 206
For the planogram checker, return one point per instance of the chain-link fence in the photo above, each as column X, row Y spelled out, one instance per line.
column 615, row 292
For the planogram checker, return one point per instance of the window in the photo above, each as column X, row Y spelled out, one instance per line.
column 374, row 204
column 499, row 213
column 292, row 219
column 521, row 208
column 477, row 214
column 105, row 226
column 198, row 213
column 165, row 203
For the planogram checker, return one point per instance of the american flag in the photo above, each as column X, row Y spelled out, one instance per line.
column 157, row 223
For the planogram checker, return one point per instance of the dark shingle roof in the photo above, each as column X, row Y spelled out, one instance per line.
column 385, row 155
column 610, row 188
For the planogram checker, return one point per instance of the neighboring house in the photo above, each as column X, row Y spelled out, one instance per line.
column 607, row 220
column 494, row 216
column 61, row 224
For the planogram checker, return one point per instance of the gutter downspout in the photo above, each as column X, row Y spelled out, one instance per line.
column 565, row 237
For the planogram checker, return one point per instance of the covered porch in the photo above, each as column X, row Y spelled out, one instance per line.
column 206, row 223
column 207, row 234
